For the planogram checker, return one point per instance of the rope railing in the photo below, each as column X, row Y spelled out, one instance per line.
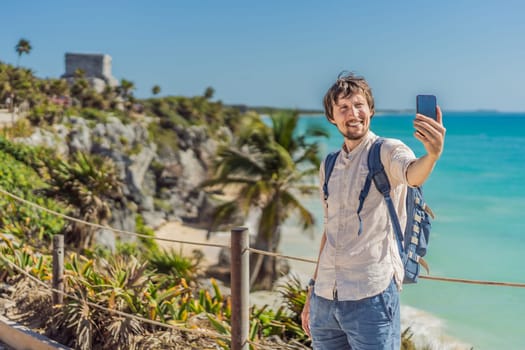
column 277, row 255
column 427, row 277
column 70, row 218
column 253, row 250
column 468, row 281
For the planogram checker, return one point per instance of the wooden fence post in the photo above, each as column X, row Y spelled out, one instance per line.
column 58, row 268
column 240, row 288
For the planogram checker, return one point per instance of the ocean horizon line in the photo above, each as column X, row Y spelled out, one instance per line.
column 380, row 111
column 478, row 112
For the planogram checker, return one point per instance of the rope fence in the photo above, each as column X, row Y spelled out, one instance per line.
column 277, row 255
column 253, row 250
column 467, row 281
column 70, row 218
column 427, row 277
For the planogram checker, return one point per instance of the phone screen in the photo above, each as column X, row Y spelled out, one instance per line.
column 426, row 105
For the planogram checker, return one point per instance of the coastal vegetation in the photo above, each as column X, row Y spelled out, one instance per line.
column 136, row 294
column 151, row 283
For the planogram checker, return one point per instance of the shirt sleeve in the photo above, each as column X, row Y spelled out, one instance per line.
column 396, row 158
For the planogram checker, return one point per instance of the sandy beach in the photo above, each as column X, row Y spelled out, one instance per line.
column 179, row 231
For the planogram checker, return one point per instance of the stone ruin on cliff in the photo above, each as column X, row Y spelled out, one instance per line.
column 97, row 69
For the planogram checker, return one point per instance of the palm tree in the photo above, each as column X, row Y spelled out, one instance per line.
column 209, row 92
column 23, row 47
column 268, row 168
column 126, row 88
column 155, row 90
column 126, row 92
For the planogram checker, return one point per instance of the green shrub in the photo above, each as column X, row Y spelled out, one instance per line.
column 94, row 114
column 167, row 140
column 21, row 128
column 21, row 219
column 45, row 114
column 128, row 249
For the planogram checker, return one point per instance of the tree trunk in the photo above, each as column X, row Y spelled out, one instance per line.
column 263, row 268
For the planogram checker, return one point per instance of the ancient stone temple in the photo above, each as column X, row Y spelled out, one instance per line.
column 97, row 68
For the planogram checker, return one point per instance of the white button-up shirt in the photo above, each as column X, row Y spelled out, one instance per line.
column 360, row 266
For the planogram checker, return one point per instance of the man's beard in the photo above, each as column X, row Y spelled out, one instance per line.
column 352, row 135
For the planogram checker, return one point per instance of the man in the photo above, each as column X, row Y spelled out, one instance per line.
column 353, row 297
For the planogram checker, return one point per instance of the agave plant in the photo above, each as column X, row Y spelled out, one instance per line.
column 74, row 323
column 175, row 265
column 117, row 284
column 22, row 256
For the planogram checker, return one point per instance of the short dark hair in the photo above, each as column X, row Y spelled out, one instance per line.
column 346, row 85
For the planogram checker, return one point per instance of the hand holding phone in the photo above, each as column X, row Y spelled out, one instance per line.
column 426, row 105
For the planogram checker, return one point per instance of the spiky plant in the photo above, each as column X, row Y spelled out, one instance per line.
column 74, row 323
column 175, row 265
column 118, row 284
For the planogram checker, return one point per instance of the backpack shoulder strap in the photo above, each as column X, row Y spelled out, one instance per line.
column 378, row 174
column 374, row 166
column 329, row 163
column 376, row 169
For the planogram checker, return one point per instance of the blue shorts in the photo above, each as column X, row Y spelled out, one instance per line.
column 371, row 323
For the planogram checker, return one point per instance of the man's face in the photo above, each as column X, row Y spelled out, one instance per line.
column 352, row 116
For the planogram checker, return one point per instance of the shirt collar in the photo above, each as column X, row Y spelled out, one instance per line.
column 369, row 137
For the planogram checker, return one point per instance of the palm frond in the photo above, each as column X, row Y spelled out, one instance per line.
column 223, row 214
column 281, row 159
column 317, row 131
column 227, row 181
column 284, row 125
column 292, row 203
column 236, row 161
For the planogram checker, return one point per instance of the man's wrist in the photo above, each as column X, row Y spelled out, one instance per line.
column 311, row 284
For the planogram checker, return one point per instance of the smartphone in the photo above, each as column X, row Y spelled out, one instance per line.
column 426, row 105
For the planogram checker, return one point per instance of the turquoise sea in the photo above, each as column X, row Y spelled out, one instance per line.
column 477, row 191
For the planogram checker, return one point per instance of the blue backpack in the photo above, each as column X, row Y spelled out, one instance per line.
column 417, row 229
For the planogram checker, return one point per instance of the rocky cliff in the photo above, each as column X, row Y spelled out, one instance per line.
column 160, row 186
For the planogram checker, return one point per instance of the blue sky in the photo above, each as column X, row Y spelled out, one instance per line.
column 286, row 53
